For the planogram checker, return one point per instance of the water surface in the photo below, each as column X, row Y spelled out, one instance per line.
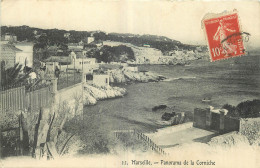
column 228, row 81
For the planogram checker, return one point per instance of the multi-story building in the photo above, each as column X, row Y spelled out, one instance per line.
column 9, row 55
column 8, row 38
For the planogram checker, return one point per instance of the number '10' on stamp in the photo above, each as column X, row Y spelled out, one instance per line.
column 224, row 36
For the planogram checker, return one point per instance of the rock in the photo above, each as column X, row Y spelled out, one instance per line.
column 94, row 93
column 167, row 116
column 229, row 139
column 123, row 76
column 89, row 99
column 160, row 107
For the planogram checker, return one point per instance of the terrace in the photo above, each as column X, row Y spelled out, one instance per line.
column 68, row 78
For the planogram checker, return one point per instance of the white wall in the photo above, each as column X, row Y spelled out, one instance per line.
column 25, row 54
column 101, row 80
column 91, row 39
column 85, row 61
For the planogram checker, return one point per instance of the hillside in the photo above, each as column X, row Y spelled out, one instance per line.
column 63, row 37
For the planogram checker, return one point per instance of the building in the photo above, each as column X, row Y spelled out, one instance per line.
column 101, row 80
column 90, row 39
column 75, row 46
column 62, row 60
column 85, row 61
column 9, row 38
column 66, row 35
column 79, row 62
column 215, row 119
column 9, row 55
column 146, row 45
column 26, row 56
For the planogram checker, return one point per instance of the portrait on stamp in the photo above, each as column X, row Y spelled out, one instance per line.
column 224, row 36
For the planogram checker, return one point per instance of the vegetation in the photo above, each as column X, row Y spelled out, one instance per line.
column 11, row 77
column 120, row 53
column 96, row 139
column 246, row 109
column 49, row 37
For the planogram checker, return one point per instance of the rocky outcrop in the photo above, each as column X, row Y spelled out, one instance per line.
column 250, row 127
column 229, row 140
column 94, row 93
column 126, row 76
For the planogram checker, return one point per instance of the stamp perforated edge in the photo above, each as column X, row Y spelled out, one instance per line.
column 208, row 16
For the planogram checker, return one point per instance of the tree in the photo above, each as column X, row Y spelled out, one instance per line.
column 246, row 109
column 119, row 53
column 231, row 110
column 10, row 76
column 249, row 109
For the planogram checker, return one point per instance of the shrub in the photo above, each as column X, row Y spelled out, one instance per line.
column 246, row 109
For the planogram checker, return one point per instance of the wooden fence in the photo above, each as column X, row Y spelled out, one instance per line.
column 38, row 98
column 18, row 99
column 12, row 99
column 145, row 139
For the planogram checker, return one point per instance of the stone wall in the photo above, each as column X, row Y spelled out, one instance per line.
column 206, row 119
column 199, row 119
column 231, row 124
column 70, row 97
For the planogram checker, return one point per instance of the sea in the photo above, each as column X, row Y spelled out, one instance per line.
column 229, row 81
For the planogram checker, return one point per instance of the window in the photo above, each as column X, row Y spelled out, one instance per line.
column 106, row 80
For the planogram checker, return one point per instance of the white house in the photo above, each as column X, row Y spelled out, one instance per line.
column 146, row 45
column 91, row 39
column 8, row 37
column 80, row 62
column 87, row 64
column 26, row 55
column 9, row 54
column 101, row 79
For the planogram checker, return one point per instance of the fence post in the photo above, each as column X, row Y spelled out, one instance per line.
column 221, row 121
column 54, row 85
column 20, row 134
column 0, row 142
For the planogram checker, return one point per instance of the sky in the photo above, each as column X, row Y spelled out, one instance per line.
column 179, row 20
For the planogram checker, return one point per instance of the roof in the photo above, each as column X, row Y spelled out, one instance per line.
column 74, row 44
column 75, row 49
column 60, row 59
column 24, row 43
column 9, row 47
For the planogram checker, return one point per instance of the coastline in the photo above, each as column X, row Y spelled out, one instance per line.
column 117, row 77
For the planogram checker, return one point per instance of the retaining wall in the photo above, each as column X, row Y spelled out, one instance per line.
column 199, row 119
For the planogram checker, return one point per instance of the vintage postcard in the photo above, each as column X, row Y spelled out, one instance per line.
column 130, row 83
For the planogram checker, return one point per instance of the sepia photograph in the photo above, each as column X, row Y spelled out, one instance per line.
column 129, row 83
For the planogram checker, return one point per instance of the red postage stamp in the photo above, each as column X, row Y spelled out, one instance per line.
column 224, row 36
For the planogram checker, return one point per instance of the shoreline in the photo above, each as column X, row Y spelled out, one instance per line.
column 118, row 77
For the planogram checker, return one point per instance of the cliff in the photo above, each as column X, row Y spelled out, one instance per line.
column 170, row 56
column 94, row 93
column 126, row 76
